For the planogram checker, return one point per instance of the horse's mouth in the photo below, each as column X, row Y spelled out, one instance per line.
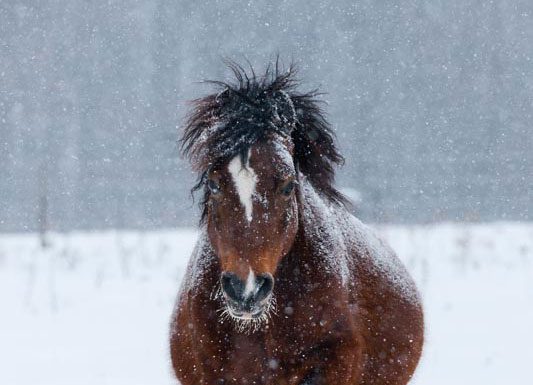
column 246, row 315
column 247, row 311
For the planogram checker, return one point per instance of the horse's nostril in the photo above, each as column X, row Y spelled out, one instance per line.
column 265, row 284
column 232, row 285
column 235, row 289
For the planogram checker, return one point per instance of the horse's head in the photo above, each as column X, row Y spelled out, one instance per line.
column 249, row 143
column 252, row 219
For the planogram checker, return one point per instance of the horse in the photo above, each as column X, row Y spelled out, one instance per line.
column 284, row 286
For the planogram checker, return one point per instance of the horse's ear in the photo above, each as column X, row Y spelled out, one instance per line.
column 285, row 112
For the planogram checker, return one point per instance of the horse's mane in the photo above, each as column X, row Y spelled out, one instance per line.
column 225, row 124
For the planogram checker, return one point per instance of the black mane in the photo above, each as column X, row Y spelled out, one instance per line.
column 227, row 123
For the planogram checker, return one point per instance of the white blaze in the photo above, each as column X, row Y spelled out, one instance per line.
column 250, row 284
column 245, row 180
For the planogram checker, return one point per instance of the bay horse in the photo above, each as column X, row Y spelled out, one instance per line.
column 285, row 286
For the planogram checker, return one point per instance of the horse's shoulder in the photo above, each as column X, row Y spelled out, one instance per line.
column 373, row 257
column 201, row 263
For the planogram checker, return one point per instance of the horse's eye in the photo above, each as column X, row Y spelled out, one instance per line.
column 288, row 188
column 213, row 187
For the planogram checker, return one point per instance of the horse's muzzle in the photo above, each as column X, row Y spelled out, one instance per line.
column 247, row 299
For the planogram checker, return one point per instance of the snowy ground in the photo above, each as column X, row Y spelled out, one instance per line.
column 93, row 308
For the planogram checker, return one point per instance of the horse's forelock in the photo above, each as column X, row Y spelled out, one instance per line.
column 229, row 122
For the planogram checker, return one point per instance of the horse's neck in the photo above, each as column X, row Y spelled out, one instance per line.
column 320, row 221
column 322, row 228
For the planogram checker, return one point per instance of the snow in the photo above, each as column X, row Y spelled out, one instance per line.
column 326, row 229
column 286, row 161
column 198, row 261
column 94, row 308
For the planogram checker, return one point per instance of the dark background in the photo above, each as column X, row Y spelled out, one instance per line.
column 432, row 103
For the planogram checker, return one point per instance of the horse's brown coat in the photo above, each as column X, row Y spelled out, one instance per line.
column 347, row 310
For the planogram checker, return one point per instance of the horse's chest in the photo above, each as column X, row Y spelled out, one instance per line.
column 285, row 343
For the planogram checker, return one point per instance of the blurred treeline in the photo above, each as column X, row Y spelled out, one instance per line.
column 432, row 103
